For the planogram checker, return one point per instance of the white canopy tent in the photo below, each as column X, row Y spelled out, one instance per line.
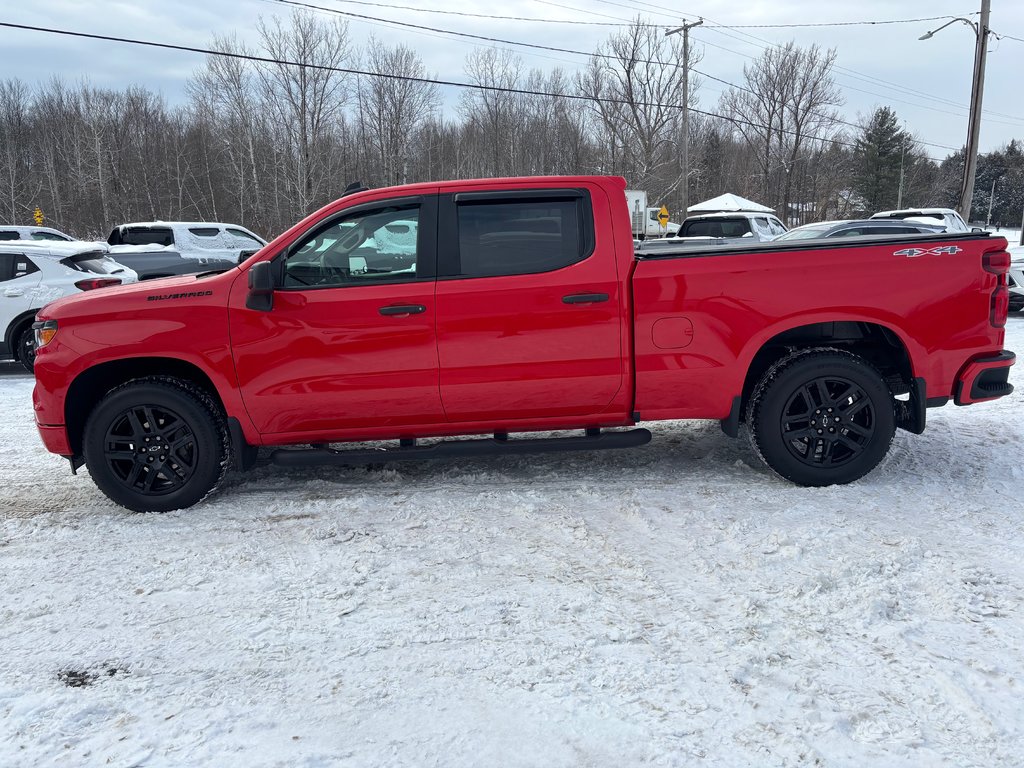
column 728, row 202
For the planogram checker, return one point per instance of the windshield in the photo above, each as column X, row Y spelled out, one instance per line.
column 805, row 233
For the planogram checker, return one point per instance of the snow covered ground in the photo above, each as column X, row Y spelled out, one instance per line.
column 675, row 605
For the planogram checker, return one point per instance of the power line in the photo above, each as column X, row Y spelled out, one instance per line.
column 486, row 38
column 537, row 46
column 763, row 44
column 533, row 19
column 407, row 78
column 829, row 23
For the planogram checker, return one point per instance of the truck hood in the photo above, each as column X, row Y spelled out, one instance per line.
column 165, row 288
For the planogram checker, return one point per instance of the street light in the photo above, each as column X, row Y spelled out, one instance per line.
column 685, row 29
column 981, row 33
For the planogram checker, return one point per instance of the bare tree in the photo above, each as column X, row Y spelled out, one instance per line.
column 307, row 99
column 392, row 109
column 494, row 113
column 787, row 105
column 15, row 152
column 634, row 81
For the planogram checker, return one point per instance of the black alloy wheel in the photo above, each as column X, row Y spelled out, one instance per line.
column 828, row 422
column 26, row 348
column 157, row 443
column 822, row 417
column 151, row 450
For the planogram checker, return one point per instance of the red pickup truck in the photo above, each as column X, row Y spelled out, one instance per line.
column 505, row 306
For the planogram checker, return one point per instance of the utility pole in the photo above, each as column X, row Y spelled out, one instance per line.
column 903, row 154
column 977, row 89
column 991, row 201
column 981, row 32
column 685, row 29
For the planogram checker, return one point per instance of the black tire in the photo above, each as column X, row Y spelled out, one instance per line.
column 821, row 417
column 25, row 347
column 156, row 444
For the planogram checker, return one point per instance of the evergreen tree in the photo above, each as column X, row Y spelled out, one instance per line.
column 882, row 148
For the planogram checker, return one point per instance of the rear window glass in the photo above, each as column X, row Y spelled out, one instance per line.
column 93, row 261
column 716, row 228
column 9, row 236
column 147, row 236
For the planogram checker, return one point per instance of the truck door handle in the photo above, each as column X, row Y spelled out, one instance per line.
column 403, row 309
column 14, row 293
column 584, row 298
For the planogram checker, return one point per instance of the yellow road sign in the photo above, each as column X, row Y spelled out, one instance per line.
column 663, row 216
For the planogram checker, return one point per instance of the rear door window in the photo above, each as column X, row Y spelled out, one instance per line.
column 15, row 265
column 529, row 234
column 248, row 241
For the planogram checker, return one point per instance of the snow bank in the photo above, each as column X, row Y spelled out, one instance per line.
column 676, row 605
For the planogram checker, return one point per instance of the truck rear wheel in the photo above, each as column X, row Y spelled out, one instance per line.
column 156, row 444
column 821, row 417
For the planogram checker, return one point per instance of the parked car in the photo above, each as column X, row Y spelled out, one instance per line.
column 721, row 228
column 191, row 240
column 1015, row 279
column 947, row 217
column 855, row 228
column 522, row 308
column 34, row 273
column 33, row 233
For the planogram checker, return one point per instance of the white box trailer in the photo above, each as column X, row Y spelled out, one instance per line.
column 645, row 218
column 637, row 202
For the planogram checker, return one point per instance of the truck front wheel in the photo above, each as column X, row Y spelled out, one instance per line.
column 821, row 417
column 156, row 444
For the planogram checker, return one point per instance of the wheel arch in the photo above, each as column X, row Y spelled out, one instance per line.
column 15, row 327
column 92, row 384
column 878, row 343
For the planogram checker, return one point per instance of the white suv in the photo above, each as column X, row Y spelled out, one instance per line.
column 35, row 273
column 947, row 217
column 1015, row 279
column 33, row 233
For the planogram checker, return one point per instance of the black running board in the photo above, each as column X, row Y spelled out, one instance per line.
column 593, row 441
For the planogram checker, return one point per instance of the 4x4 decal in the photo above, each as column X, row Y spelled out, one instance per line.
column 937, row 251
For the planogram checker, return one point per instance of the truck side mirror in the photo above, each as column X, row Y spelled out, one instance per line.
column 261, row 287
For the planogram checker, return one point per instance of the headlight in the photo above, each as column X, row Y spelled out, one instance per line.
column 44, row 331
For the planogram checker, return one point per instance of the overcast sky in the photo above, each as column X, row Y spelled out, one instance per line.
column 928, row 83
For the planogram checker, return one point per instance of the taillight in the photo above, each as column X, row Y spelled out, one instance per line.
column 97, row 282
column 1000, row 306
column 996, row 262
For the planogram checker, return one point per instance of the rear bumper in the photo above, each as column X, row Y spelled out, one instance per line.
column 55, row 438
column 985, row 378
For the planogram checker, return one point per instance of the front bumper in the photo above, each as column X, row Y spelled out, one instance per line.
column 984, row 378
